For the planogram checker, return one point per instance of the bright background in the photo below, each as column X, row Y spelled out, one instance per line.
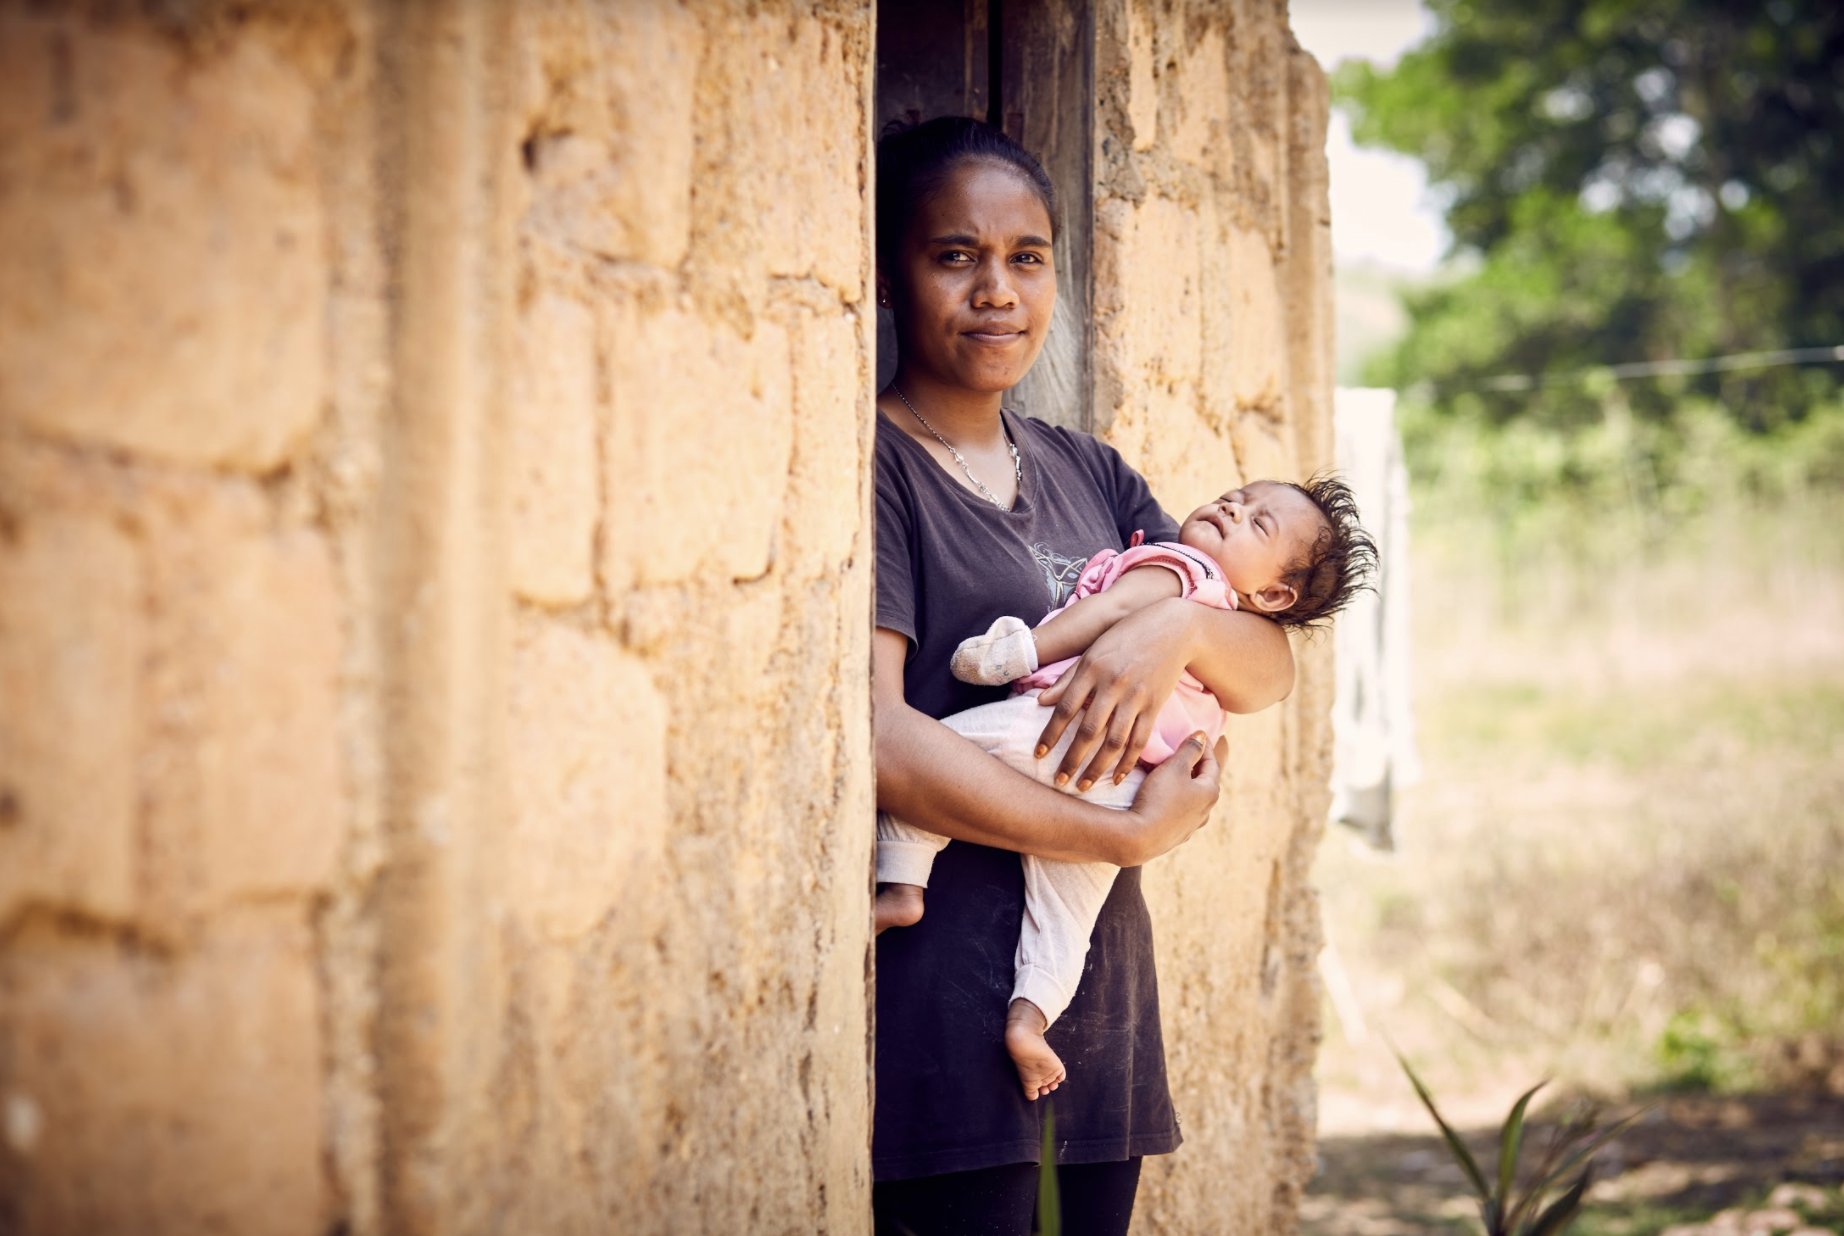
column 1622, row 867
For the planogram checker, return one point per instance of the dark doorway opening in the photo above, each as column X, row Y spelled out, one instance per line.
column 1027, row 66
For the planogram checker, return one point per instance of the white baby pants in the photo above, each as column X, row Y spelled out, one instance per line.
column 1061, row 900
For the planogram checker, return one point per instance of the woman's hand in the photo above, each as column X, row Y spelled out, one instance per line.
column 1175, row 799
column 1118, row 688
column 933, row 778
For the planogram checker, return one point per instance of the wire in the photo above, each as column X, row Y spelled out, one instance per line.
column 1654, row 369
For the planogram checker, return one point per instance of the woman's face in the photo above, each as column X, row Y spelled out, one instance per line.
column 975, row 286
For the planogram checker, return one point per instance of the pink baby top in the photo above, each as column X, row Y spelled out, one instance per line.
column 1191, row 707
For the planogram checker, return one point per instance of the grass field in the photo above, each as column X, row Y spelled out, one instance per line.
column 1624, row 870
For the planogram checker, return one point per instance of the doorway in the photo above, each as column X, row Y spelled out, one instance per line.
column 1028, row 67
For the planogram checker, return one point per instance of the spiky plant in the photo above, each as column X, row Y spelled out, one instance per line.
column 1504, row 1210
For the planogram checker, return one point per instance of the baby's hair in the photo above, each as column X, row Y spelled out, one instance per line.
column 1340, row 563
column 914, row 161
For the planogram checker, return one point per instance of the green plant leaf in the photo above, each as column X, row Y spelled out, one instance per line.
column 1587, row 1148
column 1511, row 1142
column 1561, row 1210
column 1558, row 1143
column 1049, row 1203
column 1461, row 1154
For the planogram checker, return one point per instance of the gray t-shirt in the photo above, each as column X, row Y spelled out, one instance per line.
column 948, row 1098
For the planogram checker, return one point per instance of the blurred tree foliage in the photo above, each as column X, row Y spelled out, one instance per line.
column 1626, row 180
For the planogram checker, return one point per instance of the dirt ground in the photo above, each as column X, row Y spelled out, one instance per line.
column 1693, row 1164
column 1619, row 871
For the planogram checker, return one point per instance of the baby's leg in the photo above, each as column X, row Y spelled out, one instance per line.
column 905, row 853
column 1061, row 903
column 905, row 856
column 896, row 905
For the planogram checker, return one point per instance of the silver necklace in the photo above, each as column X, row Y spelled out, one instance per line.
column 989, row 495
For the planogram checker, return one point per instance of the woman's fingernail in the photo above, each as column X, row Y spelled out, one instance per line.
column 1083, row 785
column 1062, row 778
column 1042, row 751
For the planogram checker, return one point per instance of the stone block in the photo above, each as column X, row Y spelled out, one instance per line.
column 1201, row 134
column 1257, row 782
column 1217, row 398
column 768, row 205
column 1142, row 78
column 551, row 456
column 1263, row 447
column 1260, row 68
column 610, row 162
column 1159, row 323
column 587, row 735
column 1184, row 463
column 811, row 191
column 163, row 277
column 700, row 433
column 577, row 1004
column 243, row 776
column 825, row 505
column 73, row 639
column 1114, row 217
column 1257, row 324
column 171, row 1094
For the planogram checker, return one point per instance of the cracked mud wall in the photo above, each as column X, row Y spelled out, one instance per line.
column 434, row 605
column 434, row 593
column 1213, row 366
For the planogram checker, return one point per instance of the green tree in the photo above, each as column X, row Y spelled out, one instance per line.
column 1625, row 180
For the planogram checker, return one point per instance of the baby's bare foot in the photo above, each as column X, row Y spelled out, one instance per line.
column 898, row 905
column 1040, row 1069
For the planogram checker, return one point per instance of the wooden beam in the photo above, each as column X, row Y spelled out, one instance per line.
column 932, row 60
column 1047, row 102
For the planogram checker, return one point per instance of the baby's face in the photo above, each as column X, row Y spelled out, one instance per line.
column 1255, row 533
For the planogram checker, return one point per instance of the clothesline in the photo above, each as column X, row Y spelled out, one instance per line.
column 1654, row 369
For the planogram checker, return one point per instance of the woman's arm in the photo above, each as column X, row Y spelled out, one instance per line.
column 1069, row 632
column 1128, row 672
column 932, row 778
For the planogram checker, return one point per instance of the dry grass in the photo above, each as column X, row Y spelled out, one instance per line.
column 1622, row 869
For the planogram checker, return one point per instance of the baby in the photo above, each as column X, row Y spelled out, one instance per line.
column 1294, row 553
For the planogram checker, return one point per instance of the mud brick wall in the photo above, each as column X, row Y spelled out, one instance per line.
column 1213, row 366
column 434, row 587
column 435, row 782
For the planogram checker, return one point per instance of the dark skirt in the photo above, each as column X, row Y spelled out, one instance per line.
column 948, row 1097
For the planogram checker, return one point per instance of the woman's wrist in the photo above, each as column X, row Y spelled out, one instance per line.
column 1112, row 836
column 1080, row 831
column 1179, row 621
column 1183, row 632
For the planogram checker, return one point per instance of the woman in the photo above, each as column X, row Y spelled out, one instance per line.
column 982, row 513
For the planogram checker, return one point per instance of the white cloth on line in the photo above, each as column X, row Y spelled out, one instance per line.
column 1373, row 719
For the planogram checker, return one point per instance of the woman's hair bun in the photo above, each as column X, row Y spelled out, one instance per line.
column 915, row 159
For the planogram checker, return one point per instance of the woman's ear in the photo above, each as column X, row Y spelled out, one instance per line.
column 1272, row 599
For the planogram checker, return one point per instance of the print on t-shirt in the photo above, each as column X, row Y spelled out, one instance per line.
column 1060, row 573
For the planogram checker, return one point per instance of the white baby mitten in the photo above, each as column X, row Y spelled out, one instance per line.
column 1005, row 652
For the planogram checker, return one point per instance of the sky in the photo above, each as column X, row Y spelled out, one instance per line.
column 1379, row 211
